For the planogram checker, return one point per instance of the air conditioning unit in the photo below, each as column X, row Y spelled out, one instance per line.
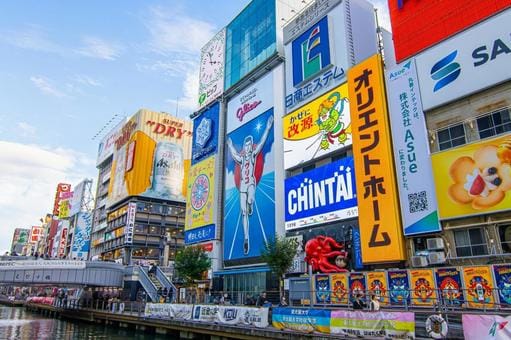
column 419, row 261
column 437, row 257
column 435, row 243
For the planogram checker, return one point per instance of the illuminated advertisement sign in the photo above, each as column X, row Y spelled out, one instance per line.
column 314, row 63
column 81, row 236
column 211, row 73
column 466, row 63
column 318, row 128
column 381, row 232
column 411, row 153
column 250, row 103
column 151, row 159
column 473, row 179
column 62, row 189
column 417, row 25
column 205, row 134
column 249, row 201
column 200, row 201
column 322, row 195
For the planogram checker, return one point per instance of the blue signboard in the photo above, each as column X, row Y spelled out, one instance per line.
column 322, row 195
column 205, row 134
column 249, row 204
column 81, row 238
column 200, row 234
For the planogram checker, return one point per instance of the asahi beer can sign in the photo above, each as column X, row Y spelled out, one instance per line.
column 168, row 172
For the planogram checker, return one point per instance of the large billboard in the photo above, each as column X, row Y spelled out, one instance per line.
column 81, row 236
column 411, row 153
column 317, row 128
column 36, row 232
column 152, row 155
column 107, row 145
column 212, row 67
column 473, row 179
column 249, row 201
column 381, row 231
column 205, row 134
column 200, row 202
column 322, row 195
column 322, row 43
column 466, row 63
column 63, row 192
column 19, row 239
column 417, row 25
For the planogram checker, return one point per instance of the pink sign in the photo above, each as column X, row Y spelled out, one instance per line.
column 477, row 327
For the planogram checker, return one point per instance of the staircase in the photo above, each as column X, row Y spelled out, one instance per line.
column 147, row 283
column 165, row 282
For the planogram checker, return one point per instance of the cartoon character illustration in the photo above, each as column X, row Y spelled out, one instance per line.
column 505, row 289
column 339, row 291
column 325, row 255
column 322, row 289
column 399, row 291
column 330, row 120
column 378, row 289
column 479, row 289
column 423, row 290
column 483, row 180
column 450, row 290
column 246, row 159
column 357, row 287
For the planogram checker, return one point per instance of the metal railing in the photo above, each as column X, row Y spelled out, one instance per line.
column 147, row 284
column 166, row 283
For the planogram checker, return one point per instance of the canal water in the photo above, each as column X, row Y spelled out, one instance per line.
column 18, row 323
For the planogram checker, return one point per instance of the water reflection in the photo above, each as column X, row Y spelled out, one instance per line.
column 17, row 323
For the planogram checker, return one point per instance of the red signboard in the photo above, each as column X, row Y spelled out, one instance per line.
column 62, row 188
column 419, row 24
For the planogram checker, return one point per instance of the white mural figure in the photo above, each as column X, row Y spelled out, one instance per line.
column 246, row 158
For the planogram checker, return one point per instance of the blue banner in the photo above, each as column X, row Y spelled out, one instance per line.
column 399, row 287
column 357, row 249
column 321, row 195
column 305, row 320
column 201, row 234
column 205, row 134
column 81, row 238
column 502, row 275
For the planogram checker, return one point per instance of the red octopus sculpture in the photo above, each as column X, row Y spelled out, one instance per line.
column 323, row 252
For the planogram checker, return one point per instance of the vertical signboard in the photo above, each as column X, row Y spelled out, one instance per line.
column 317, row 128
column 211, row 72
column 322, row 288
column 423, row 287
column 502, row 275
column 339, row 286
column 479, row 285
column 130, row 223
column 399, row 287
column 35, row 234
column 62, row 188
column 81, row 236
column 205, row 134
column 357, row 284
column 75, row 202
column 249, row 201
column 448, row 283
column 380, row 230
column 411, row 153
column 200, row 203
column 61, row 247
column 377, row 286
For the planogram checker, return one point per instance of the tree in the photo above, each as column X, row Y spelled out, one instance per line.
column 279, row 254
column 191, row 263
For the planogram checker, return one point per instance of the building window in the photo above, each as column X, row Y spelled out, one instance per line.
column 309, row 167
column 494, row 124
column 451, row 137
column 505, row 238
column 470, row 242
column 339, row 156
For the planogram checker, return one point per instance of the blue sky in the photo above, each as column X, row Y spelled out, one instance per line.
column 67, row 67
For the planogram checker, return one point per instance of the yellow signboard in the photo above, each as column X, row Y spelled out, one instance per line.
column 474, row 178
column 200, row 195
column 318, row 128
column 64, row 209
column 377, row 286
column 479, row 286
column 378, row 204
column 422, row 284
column 339, row 284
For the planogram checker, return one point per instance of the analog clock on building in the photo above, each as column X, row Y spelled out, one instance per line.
column 212, row 69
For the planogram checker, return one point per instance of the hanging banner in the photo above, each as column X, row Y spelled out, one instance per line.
column 399, row 287
column 385, row 325
column 168, row 311
column 411, row 152
column 380, row 230
column 479, row 285
column 494, row 327
column 502, row 275
column 448, row 282
column 232, row 315
column 377, row 286
column 357, row 284
column 339, row 286
column 423, row 287
column 322, row 288
column 302, row 320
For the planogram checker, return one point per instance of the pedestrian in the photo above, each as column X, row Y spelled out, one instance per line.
column 262, row 300
column 374, row 304
column 283, row 302
column 358, row 303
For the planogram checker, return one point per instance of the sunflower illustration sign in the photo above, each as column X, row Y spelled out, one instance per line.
column 317, row 128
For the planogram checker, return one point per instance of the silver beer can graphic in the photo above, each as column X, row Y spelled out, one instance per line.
column 168, row 171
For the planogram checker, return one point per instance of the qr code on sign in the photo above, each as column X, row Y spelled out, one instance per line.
column 418, row 202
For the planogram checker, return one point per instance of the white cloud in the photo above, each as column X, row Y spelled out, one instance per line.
column 44, row 84
column 29, row 175
column 173, row 31
column 87, row 80
column 26, row 129
column 177, row 67
column 190, row 89
column 98, row 48
column 32, row 38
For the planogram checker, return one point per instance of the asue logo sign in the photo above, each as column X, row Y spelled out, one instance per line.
column 469, row 62
column 311, row 52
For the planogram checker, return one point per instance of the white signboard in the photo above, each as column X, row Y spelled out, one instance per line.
column 413, row 164
column 130, row 223
column 42, row 264
column 211, row 73
column 466, row 63
column 232, row 315
column 106, row 146
column 168, row 311
column 250, row 103
column 75, row 201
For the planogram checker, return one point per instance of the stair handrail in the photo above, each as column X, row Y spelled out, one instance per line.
column 147, row 284
column 165, row 281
